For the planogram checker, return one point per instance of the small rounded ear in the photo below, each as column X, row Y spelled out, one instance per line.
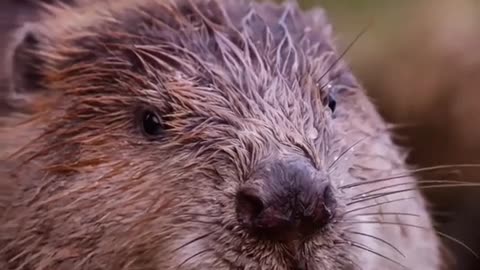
column 23, row 66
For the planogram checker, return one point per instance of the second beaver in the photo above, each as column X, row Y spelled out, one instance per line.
column 201, row 134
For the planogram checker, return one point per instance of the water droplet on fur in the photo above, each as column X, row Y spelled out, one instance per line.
column 313, row 134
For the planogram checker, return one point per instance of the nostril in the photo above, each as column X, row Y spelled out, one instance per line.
column 320, row 210
column 325, row 206
column 329, row 197
column 249, row 205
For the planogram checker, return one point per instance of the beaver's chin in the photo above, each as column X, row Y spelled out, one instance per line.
column 273, row 256
column 284, row 264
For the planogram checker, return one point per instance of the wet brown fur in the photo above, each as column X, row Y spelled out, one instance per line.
column 237, row 85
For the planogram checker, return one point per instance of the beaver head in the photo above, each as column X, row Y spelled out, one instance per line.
column 197, row 135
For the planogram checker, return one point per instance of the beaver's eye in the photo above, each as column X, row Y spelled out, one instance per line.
column 332, row 103
column 151, row 124
column 329, row 99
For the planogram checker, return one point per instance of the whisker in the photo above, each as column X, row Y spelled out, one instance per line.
column 379, row 239
column 410, row 173
column 194, row 240
column 202, row 215
column 446, row 236
column 379, row 195
column 343, row 153
column 377, row 204
column 208, row 222
column 345, row 51
column 348, row 242
column 195, row 255
column 388, row 214
column 365, row 248
column 459, row 184
column 442, row 182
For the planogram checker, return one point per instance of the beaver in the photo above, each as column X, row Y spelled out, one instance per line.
column 207, row 134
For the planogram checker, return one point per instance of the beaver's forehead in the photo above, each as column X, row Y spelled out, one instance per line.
column 245, row 43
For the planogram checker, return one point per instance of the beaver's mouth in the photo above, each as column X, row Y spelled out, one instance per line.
column 292, row 256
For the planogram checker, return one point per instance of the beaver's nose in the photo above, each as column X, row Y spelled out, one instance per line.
column 286, row 201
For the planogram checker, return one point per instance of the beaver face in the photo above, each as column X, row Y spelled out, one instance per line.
column 185, row 136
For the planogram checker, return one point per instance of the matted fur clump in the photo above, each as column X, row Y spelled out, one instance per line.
column 141, row 122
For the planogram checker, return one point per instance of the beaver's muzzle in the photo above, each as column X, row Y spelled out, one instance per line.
column 286, row 201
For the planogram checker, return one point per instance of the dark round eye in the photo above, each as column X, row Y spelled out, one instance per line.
column 329, row 98
column 332, row 103
column 151, row 123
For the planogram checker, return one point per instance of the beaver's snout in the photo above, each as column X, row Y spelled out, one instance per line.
column 286, row 201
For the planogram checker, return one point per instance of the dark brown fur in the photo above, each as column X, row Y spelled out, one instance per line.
column 237, row 85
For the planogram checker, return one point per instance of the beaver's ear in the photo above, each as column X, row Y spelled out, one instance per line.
column 24, row 65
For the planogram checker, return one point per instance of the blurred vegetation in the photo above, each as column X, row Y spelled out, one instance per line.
column 420, row 64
